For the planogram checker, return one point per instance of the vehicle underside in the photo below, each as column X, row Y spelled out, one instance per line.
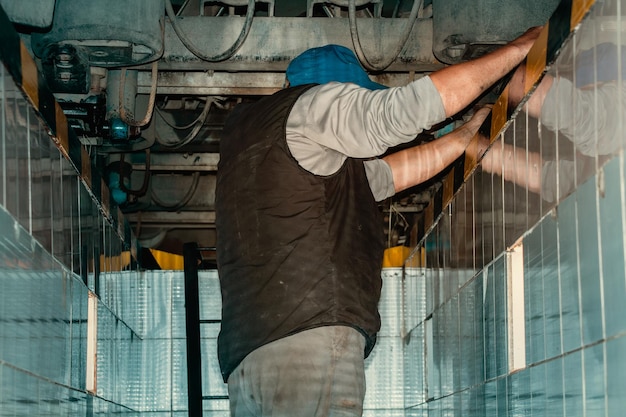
column 148, row 84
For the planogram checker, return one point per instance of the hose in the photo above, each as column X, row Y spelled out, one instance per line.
column 417, row 5
column 200, row 118
column 153, row 87
column 197, row 125
column 146, row 178
column 194, row 50
column 151, row 101
column 186, row 198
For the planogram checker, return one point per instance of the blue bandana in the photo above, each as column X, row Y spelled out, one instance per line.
column 328, row 63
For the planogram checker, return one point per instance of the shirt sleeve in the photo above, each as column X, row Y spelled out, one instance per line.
column 380, row 179
column 334, row 121
column 566, row 172
column 586, row 116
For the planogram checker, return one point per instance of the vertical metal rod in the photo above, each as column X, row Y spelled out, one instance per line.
column 192, row 319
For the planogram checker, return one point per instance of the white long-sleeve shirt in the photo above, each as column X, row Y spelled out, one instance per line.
column 335, row 121
column 589, row 117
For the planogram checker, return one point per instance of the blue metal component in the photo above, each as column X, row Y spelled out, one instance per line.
column 118, row 195
column 118, row 129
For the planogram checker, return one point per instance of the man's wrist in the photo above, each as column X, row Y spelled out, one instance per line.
column 517, row 86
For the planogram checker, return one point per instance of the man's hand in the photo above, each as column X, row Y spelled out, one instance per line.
column 527, row 39
column 477, row 120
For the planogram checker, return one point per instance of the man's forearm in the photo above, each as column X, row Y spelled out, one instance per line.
column 515, row 165
column 415, row 165
column 462, row 83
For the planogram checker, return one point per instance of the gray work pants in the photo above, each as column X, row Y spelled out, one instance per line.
column 314, row 373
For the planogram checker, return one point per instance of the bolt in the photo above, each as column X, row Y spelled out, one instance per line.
column 65, row 76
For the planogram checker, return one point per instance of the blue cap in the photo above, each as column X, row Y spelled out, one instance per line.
column 328, row 63
column 600, row 64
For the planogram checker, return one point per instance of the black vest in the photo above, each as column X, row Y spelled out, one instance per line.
column 294, row 250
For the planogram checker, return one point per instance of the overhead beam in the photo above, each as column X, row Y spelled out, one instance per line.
column 175, row 220
column 212, row 83
column 216, row 83
column 273, row 41
column 173, row 162
column 222, row 83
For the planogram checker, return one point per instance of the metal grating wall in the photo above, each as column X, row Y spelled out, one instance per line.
column 55, row 247
column 515, row 298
